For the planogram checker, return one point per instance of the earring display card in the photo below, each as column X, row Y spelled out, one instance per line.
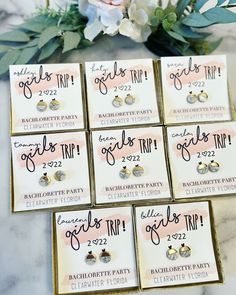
column 46, row 97
column 170, row 245
column 195, row 89
column 201, row 159
column 94, row 250
column 117, row 93
column 129, row 165
column 50, row 171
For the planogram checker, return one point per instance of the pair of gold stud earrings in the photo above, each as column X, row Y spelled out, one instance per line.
column 203, row 168
column 45, row 180
column 192, row 97
column 53, row 105
column 173, row 254
column 104, row 257
column 136, row 171
column 118, row 101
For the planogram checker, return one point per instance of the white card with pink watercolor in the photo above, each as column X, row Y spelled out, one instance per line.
column 115, row 150
column 79, row 233
column 33, row 83
column 35, row 155
column 193, row 145
column 107, row 79
column 185, row 75
column 161, row 227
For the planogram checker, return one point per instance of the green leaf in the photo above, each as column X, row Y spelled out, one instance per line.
column 181, row 6
column 9, row 58
column 205, row 47
column 86, row 43
column 199, row 4
column 159, row 13
column 47, row 35
column 220, row 15
column 14, row 36
column 49, row 49
column 169, row 9
column 171, row 17
column 69, row 27
column 48, row 21
column 154, row 21
column 214, row 45
column 37, row 24
column 189, row 52
column 32, row 43
column 33, row 26
column 182, row 47
column 71, row 41
column 26, row 55
column 220, row 2
column 4, row 48
column 197, row 20
column 187, row 32
column 167, row 25
column 177, row 36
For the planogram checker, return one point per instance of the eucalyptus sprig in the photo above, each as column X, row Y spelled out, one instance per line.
column 175, row 31
column 42, row 35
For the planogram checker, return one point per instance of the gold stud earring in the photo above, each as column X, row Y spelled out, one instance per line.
column 172, row 253
column 41, row 106
column 202, row 96
column 54, row 104
column 90, row 258
column 44, row 180
column 191, row 97
column 184, row 251
column 138, row 170
column 130, row 99
column 202, row 168
column 213, row 166
column 105, row 256
column 124, row 173
column 117, row 101
column 60, row 175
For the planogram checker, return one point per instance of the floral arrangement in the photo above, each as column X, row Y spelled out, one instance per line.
column 170, row 30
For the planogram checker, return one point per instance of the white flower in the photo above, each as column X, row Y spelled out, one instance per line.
column 137, row 24
column 103, row 16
